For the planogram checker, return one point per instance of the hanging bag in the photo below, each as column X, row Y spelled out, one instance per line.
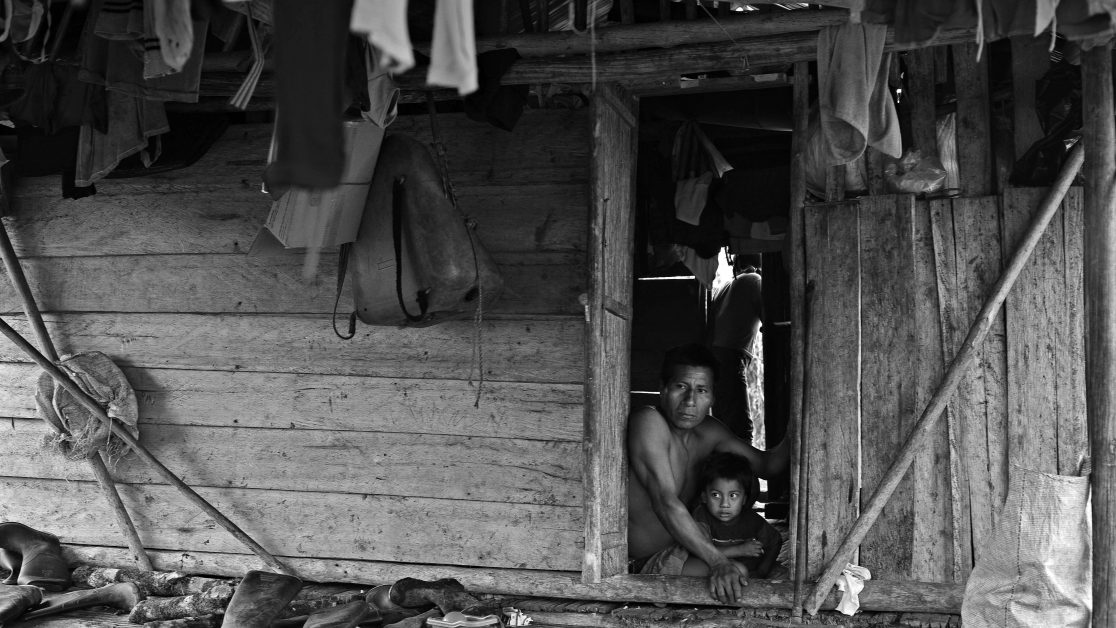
column 415, row 261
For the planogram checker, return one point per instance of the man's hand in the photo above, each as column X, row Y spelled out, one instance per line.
column 727, row 580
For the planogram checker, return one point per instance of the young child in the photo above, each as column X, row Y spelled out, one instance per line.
column 725, row 514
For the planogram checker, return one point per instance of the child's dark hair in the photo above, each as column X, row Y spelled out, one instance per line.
column 689, row 355
column 723, row 465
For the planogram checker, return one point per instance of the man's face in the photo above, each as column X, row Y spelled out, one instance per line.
column 723, row 498
column 687, row 396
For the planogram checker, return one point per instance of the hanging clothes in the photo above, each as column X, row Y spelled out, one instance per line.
column 309, row 51
column 114, row 56
column 384, row 22
column 132, row 122
column 855, row 103
column 453, row 53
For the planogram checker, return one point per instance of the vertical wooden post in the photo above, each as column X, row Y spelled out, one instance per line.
column 796, row 269
column 609, row 322
column 1100, row 322
column 974, row 126
column 920, row 99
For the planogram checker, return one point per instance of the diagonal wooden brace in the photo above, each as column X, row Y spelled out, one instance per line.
column 97, row 462
column 93, row 407
column 966, row 355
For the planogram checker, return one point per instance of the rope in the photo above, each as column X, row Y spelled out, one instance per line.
column 477, row 360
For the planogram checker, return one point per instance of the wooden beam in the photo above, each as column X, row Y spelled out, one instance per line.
column 878, row 595
column 920, row 433
column 1100, row 323
column 974, row 124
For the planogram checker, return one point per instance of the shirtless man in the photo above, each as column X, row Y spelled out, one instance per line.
column 665, row 445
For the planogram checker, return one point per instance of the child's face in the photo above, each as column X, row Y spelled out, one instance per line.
column 723, row 498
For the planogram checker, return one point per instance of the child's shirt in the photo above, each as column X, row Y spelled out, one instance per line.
column 746, row 525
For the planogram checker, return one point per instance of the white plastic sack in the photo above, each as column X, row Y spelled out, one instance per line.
column 1037, row 568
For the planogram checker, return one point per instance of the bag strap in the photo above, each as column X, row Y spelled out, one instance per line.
column 422, row 296
column 342, row 270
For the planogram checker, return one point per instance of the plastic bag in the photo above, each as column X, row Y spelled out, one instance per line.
column 914, row 173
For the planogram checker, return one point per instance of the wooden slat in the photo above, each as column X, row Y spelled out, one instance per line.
column 932, row 511
column 543, row 283
column 1030, row 59
column 980, row 403
column 833, row 385
column 1035, row 309
column 974, row 128
column 546, row 146
column 608, row 378
column 548, row 412
column 534, row 350
column 887, row 368
column 920, row 99
column 226, row 219
column 448, row 467
column 1073, row 433
column 876, row 596
column 306, row 524
column 946, row 269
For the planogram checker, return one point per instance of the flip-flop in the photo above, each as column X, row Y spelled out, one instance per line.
column 456, row 619
column 259, row 598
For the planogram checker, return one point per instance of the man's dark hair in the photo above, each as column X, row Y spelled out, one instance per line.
column 688, row 355
column 723, row 465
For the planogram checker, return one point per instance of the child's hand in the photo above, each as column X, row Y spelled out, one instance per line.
column 751, row 548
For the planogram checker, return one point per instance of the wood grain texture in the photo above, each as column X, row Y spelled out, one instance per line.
column 1034, row 311
column 549, row 412
column 1030, row 59
column 544, row 350
column 887, row 370
column 308, row 525
column 921, row 100
column 974, row 127
column 1073, row 432
column 216, row 218
column 877, row 595
column 833, row 382
column 445, row 467
column 608, row 378
column 932, row 553
column 945, row 269
column 546, row 146
column 979, row 406
column 543, row 283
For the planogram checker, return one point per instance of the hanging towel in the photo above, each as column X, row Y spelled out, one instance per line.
column 856, row 106
column 690, row 196
column 174, row 29
column 453, row 53
column 384, row 22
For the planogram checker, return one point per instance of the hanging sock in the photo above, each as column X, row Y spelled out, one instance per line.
column 175, row 31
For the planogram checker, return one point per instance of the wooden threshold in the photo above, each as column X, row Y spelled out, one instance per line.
column 899, row 596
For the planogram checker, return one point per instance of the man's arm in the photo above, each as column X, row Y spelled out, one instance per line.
column 765, row 464
column 648, row 445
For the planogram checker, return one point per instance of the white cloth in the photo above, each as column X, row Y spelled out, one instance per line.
column 453, row 52
column 853, row 96
column 690, row 196
column 851, row 581
column 175, row 30
column 385, row 24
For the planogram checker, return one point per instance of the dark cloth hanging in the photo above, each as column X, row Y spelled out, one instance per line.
column 311, row 39
column 496, row 104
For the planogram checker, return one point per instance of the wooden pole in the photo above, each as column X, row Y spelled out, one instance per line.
column 966, row 355
column 796, row 265
column 97, row 461
column 1100, row 321
column 141, row 451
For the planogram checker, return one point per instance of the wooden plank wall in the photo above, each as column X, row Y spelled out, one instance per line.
column 363, row 450
column 922, row 271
